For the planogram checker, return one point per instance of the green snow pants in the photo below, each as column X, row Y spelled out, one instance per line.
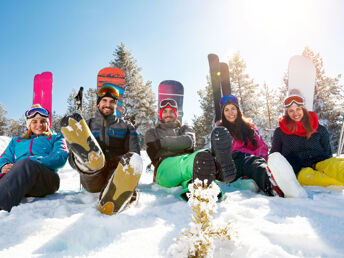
column 177, row 171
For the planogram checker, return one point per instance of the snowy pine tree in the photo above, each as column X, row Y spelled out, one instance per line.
column 243, row 87
column 203, row 123
column 90, row 103
column 3, row 119
column 16, row 128
column 139, row 100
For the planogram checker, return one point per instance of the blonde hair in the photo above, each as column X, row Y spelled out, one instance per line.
column 29, row 133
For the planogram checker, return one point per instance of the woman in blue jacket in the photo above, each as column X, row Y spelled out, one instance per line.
column 28, row 167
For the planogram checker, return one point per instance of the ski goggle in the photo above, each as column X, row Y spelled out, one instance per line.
column 293, row 99
column 229, row 98
column 168, row 102
column 31, row 113
column 108, row 90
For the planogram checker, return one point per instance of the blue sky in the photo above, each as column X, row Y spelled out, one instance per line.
column 169, row 39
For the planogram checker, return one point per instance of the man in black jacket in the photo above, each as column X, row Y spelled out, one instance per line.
column 118, row 141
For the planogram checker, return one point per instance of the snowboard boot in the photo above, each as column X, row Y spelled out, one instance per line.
column 282, row 177
column 204, row 167
column 120, row 190
column 80, row 140
column 221, row 147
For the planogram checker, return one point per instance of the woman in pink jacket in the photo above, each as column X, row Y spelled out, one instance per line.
column 249, row 151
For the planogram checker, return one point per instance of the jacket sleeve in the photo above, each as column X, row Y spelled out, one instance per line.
column 185, row 141
column 58, row 154
column 276, row 141
column 134, row 142
column 150, row 136
column 325, row 141
column 8, row 156
column 262, row 148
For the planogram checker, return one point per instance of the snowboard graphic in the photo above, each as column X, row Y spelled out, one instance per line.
column 120, row 190
column 112, row 76
column 172, row 90
column 43, row 90
column 82, row 143
column 301, row 77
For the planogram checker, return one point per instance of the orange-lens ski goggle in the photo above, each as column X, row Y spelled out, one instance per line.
column 294, row 99
column 108, row 90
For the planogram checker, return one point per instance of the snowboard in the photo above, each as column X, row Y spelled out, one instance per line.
column 215, row 77
column 82, row 143
column 120, row 190
column 284, row 176
column 301, row 79
column 112, row 76
column 43, row 90
column 225, row 82
column 170, row 89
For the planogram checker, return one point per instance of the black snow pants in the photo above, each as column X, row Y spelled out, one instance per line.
column 96, row 181
column 26, row 178
column 252, row 167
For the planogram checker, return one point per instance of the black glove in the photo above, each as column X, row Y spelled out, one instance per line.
column 152, row 149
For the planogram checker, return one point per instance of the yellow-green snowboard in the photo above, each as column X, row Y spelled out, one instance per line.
column 120, row 190
column 81, row 142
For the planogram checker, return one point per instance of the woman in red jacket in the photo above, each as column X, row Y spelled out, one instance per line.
column 306, row 145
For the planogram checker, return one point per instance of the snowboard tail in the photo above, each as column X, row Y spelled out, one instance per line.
column 112, row 76
column 170, row 89
column 42, row 91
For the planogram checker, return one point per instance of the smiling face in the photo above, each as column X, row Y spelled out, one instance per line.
column 230, row 112
column 38, row 125
column 107, row 106
column 295, row 113
column 168, row 115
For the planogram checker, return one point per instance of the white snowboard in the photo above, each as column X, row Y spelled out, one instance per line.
column 301, row 78
column 284, row 176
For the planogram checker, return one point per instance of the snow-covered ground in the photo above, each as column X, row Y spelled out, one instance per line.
column 68, row 223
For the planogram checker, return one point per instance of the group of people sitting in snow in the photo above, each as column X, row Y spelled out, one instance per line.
column 29, row 164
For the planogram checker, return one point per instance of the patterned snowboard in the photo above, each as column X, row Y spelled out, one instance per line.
column 82, row 143
column 120, row 190
column 170, row 89
column 114, row 77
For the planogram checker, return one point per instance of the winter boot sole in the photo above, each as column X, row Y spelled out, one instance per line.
column 121, row 187
column 221, row 146
column 284, row 176
column 82, row 142
column 204, row 167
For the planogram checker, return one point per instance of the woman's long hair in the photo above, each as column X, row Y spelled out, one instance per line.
column 306, row 123
column 241, row 129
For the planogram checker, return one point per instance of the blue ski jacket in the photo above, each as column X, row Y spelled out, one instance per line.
column 50, row 151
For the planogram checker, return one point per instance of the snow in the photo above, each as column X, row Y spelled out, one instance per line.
column 68, row 223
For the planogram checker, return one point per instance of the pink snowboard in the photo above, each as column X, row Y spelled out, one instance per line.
column 42, row 91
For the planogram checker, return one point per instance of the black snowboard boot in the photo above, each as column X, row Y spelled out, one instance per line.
column 221, row 147
column 204, row 167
